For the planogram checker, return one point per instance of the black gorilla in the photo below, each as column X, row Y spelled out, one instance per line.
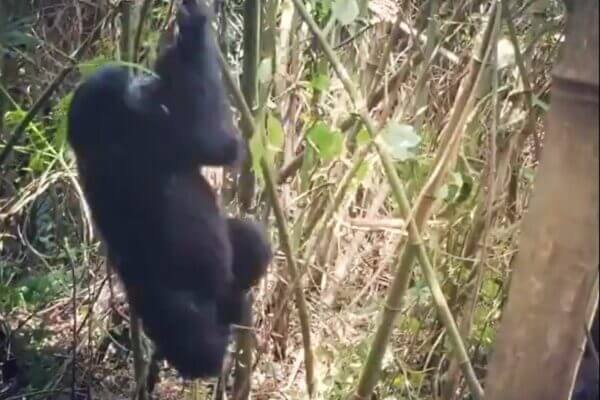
column 139, row 143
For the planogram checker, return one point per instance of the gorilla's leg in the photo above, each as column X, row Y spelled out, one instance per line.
column 187, row 331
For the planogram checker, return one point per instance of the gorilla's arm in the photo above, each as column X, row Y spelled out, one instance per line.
column 251, row 251
column 191, row 92
column 177, row 119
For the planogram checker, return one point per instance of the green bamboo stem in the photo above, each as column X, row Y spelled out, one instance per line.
column 368, row 379
column 283, row 230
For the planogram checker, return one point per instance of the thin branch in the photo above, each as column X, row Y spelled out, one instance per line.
column 367, row 382
column 137, row 41
column 284, row 236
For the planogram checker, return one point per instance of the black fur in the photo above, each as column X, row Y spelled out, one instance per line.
column 139, row 143
column 248, row 240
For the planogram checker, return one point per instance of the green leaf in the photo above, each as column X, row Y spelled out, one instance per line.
column 89, row 67
column 322, row 7
column 490, row 289
column 401, row 140
column 308, row 163
column 455, row 187
column 15, row 39
column 442, row 192
column 13, row 118
column 274, row 133
column 265, row 70
column 456, row 178
column 36, row 162
column 60, row 138
column 257, row 150
column 345, row 11
column 362, row 137
column 329, row 143
column 506, row 53
column 466, row 189
column 528, row 174
column 411, row 324
column 400, row 381
column 320, row 82
column 363, row 170
column 487, row 335
column 13, row 33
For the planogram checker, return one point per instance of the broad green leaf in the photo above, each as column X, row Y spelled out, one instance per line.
column 13, row 118
column 329, row 143
column 454, row 187
column 411, row 324
column 345, row 11
column 465, row 190
column 257, row 150
column 399, row 381
column 490, row 289
column 320, row 82
column 362, row 137
column 506, row 53
column 13, row 33
column 308, row 163
column 322, row 6
column 274, row 132
column 457, row 178
column 442, row 192
column 528, row 174
column 400, row 140
column 265, row 70
column 487, row 333
column 363, row 170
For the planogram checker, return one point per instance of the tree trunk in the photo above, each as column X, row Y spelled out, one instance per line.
column 554, row 289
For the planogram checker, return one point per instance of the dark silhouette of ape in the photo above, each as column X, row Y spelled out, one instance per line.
column 139, row 143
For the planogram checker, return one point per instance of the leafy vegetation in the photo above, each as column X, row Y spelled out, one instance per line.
column 442, row 100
